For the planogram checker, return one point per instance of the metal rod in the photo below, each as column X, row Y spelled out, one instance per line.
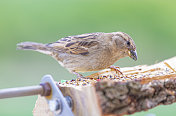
column 21, row 91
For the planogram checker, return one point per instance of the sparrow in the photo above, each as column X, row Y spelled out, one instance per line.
column 87, row 52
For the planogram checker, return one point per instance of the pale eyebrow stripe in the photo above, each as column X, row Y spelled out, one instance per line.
column 123, row 37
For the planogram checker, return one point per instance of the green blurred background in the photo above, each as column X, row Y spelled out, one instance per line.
column 152, row 24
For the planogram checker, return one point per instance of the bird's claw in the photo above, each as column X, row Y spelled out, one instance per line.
column 116, row 69
column 79, row 75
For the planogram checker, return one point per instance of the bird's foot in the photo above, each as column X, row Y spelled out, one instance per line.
column 79, row 75
column 116, row 69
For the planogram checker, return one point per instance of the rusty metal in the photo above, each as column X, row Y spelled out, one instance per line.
column 46, row 89
column 58, row 104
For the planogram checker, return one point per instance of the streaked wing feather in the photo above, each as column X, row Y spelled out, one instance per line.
column 78, row 44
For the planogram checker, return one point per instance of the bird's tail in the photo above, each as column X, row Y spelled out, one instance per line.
column 34, row 46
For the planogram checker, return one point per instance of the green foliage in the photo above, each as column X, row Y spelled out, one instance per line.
column 150, row 23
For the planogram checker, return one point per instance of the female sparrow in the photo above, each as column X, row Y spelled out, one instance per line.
column 87, row 52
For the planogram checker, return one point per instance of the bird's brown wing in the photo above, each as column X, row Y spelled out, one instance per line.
column 78, row 44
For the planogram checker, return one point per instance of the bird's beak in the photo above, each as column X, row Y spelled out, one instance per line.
column 133, row 54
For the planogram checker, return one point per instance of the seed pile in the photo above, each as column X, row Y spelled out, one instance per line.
column 131, row 74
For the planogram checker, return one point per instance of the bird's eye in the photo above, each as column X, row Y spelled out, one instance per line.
column 128, row 43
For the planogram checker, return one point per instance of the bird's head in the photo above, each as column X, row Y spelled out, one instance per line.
column 125, row 44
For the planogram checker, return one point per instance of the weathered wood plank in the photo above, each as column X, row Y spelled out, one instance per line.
column 107, row 93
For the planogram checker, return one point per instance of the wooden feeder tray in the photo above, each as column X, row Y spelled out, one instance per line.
column 108, row 93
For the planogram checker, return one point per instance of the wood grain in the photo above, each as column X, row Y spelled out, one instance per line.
column 106, row 93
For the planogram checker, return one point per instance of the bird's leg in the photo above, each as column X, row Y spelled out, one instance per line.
column 78, row 75
column 116, row 68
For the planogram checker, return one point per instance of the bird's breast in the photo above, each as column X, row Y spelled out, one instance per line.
column 96, row 60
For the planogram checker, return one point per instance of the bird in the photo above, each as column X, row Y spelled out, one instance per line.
column 87, row 52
